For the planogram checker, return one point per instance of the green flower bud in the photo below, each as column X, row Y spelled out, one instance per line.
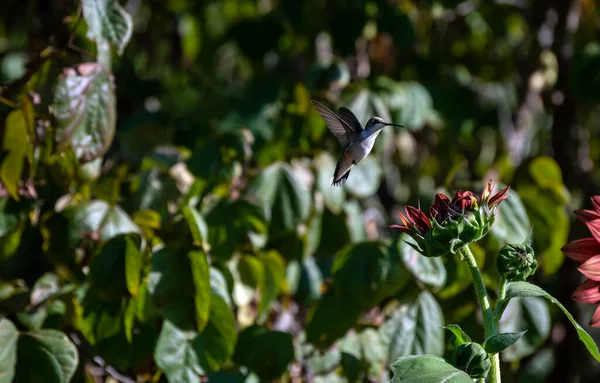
column 516, row 262
column 472, row 359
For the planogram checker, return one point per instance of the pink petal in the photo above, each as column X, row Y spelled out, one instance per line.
column 594, row 226
column 595, row 322
column 587, row 292
column 587, row 215
column 591, row 268
column 582, row 249
column 596, row 202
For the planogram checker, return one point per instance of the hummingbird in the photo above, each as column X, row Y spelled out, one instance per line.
column 356, row 141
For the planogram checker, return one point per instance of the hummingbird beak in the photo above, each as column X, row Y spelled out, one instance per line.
column 389, row 124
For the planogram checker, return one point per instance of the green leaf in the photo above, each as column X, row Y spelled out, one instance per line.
column 197, row 226
column 171, row 284
column 428, row 270
column 108, row 21
column 360, row 271
column 512, row 223
column 266, row 353
column 334, row 315
column 98, row 216
column 525, row 313
column 46, row 356
column 133, row 262
column 410, row 103
column 273, row 276
column 415, row 328
column 220, row 335
column 175, row 355
column 8, row 352
column 427, row 369
column 458, row 335
column 250, row 269
column 525, row 289
column 85, row 110
column 286, row 199
column 500, row 342
column 201, row 277
column 231, row 224
column 333, row 197
column 16, row 143
column 364, row 178
column 115, row 271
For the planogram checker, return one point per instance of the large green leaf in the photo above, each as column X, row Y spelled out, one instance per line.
column 232, row 224
column 46, row 355
column 8, row 353
column 512, row 223
column 427, row 369
column 364, row 178
column 85, row 110
column 266, row 353
column 99, row 217
column 220, row 335
column 115, row 271
column 333, row 197
column 415, row 328
column 525, row 289
column 529, row 314
column 176, row 355
column 428, row 270
column 360, row 271
column 286, row 199
column 108, row 21
column 171, row 285
column 335, row 314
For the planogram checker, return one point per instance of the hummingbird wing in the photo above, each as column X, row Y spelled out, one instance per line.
column 340, row 129
column 350, row 119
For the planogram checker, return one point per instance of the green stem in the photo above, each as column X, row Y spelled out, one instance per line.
column 484, row 302
column 502, row 289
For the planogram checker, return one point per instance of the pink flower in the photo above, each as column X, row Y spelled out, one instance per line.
column 586, row 251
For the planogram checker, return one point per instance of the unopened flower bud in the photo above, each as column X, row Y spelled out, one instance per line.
column 516, row 262
column 472, row 359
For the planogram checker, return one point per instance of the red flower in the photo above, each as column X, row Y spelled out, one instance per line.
column 452, row 223
column 586, row 251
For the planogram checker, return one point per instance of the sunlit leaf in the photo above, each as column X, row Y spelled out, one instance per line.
column 176, row 356
column 16, row 142
column 428, row 270
column 286, row 199
column 8, row 356
column 201, row 276
column 46, row 355
column 415, row 328
column 98, row 216
column 84, row 106
column 108, row 21
column 427, row 369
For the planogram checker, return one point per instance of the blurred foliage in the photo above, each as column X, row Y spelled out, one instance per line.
column 165, row 208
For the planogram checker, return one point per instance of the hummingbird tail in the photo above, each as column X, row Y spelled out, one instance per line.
column 337, row 179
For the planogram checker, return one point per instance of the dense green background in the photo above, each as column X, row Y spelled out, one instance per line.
column 165, row 207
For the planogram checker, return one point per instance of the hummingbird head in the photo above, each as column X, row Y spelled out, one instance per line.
column 376, row 124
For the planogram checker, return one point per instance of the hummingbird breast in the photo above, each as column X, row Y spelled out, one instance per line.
column 362, row 146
